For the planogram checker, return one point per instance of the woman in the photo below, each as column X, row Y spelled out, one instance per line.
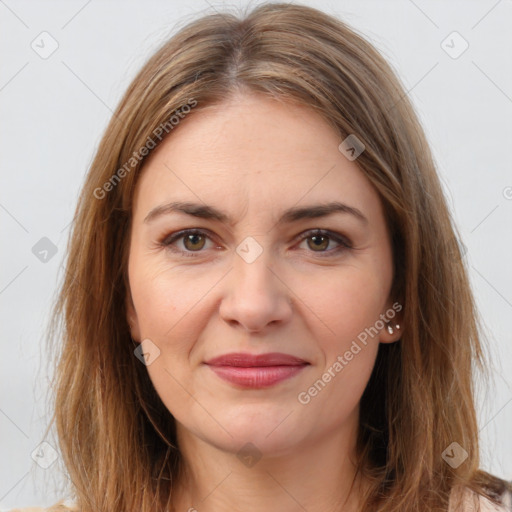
column 265, row 306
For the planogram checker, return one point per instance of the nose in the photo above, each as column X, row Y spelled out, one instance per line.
column 256, row 296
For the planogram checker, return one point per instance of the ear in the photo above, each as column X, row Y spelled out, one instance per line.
column 392, row 317
column 131, row 317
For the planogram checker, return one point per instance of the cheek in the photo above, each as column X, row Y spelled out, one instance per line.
column 165, row 295
column 168, row 301
column 344, row 303
column 345, row 314
column 174, row 305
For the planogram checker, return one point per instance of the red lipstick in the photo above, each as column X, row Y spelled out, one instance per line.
column 256, row 371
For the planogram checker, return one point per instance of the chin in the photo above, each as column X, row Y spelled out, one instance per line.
column 256, row 442
column 270, row 428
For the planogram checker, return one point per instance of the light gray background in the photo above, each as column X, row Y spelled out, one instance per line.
column 54, row 111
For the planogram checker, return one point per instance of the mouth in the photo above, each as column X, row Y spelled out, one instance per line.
column 256, row 371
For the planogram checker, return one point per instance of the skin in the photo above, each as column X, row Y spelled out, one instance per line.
column 253, row 157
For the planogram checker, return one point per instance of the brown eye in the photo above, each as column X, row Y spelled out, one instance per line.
column 191, row 242
column 194, row 241
column 320, row 242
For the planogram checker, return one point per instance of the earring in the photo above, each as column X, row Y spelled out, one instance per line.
column 391, row 330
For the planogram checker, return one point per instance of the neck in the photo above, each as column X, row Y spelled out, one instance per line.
column 319, row 476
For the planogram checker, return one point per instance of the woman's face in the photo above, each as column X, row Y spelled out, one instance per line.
column 254, row 278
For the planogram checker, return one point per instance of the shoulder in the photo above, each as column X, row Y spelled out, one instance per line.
column 473, row 502
column 61, row 506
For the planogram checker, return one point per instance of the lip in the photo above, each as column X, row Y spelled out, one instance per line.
column 244, row 359
column 256, row 371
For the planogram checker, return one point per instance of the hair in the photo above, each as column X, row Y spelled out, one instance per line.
column 116, row 437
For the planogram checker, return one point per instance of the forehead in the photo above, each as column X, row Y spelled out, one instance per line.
column 253, row 152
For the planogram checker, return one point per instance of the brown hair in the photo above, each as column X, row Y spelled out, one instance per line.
column 116, row 436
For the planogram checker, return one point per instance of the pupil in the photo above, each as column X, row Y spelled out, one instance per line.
column 321, row 239
column 193, row 240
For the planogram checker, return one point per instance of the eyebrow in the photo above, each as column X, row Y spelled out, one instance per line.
column 288, row 216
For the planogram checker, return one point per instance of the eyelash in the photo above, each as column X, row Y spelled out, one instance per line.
column 344, row 242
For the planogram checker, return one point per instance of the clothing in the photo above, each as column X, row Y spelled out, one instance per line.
column 470, row 505
column 471, row 501
column 61, row 506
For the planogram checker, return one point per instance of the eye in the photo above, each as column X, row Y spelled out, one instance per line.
column 193, row 241
column 318, row 240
